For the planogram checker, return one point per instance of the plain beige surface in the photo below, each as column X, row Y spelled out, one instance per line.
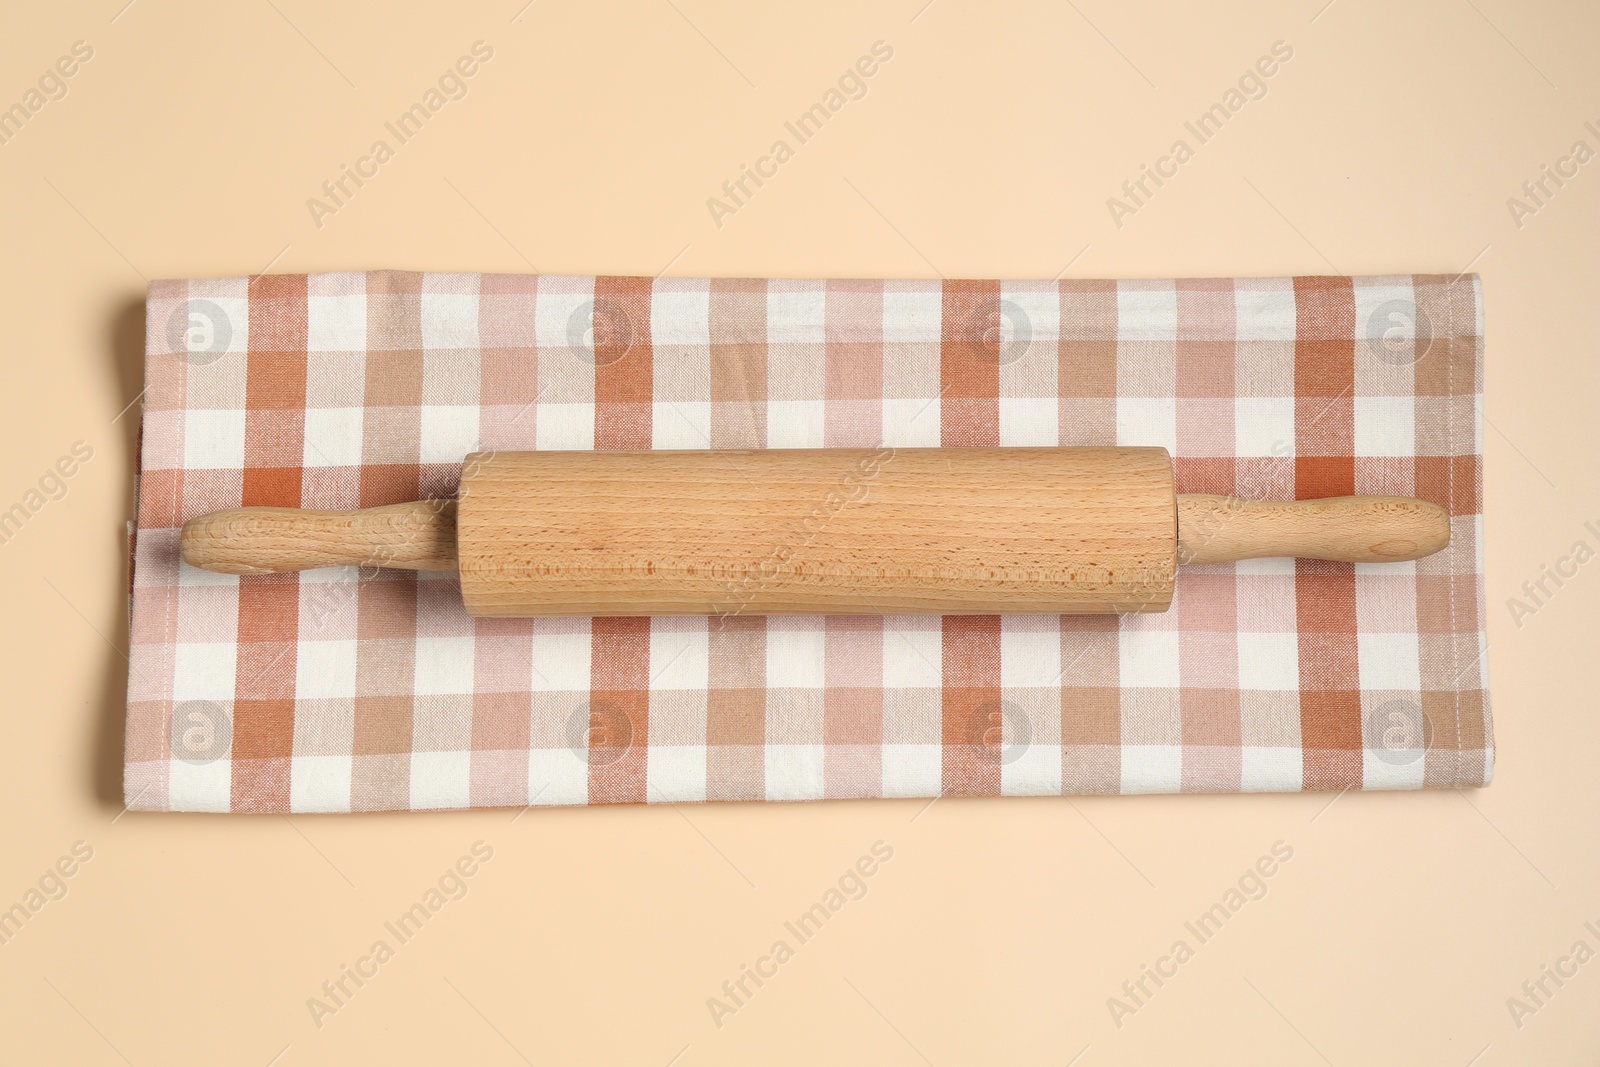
column 987, row 147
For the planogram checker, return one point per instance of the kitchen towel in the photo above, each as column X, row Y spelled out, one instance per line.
column 347, row 690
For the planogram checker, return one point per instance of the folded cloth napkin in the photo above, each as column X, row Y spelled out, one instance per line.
column 345, row 690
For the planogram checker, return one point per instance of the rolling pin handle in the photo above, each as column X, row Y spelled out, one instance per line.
column 1350, row 529
column 419, row 536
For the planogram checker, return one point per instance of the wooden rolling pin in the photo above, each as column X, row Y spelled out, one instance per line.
column 955, row 531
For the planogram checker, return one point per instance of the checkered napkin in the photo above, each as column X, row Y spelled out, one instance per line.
column 346, row 690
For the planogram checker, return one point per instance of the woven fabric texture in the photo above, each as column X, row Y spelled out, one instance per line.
column 348, row 690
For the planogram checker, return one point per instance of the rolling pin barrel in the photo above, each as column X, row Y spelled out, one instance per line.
column 816, row 531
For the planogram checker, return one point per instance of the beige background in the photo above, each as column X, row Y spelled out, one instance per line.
column 986, row 148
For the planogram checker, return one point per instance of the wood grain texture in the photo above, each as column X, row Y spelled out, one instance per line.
column 418, row 536
column 954, row 531
column 1354, row 529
